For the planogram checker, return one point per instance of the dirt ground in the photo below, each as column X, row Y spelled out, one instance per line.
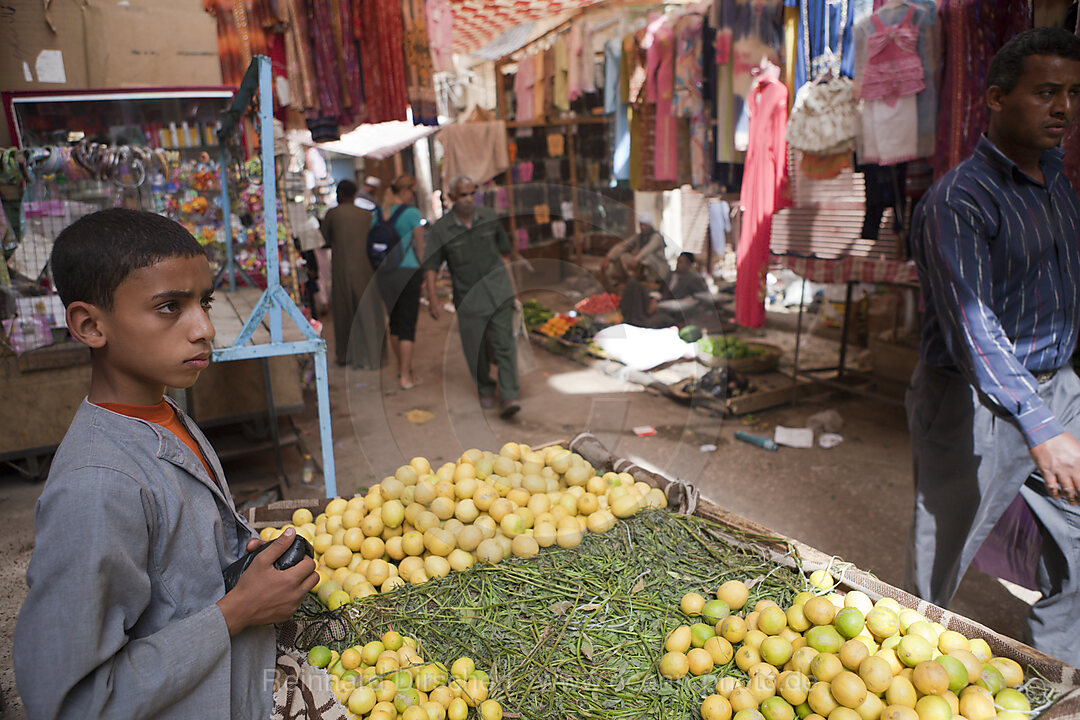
column 853, row 500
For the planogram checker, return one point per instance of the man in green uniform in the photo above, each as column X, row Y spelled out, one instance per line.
column 476, row 248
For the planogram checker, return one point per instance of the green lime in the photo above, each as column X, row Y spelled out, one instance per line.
column 772, row 620
column 824, row 639
column 958, row 674
column 392, row 640
column 1013, row 700
column 776, row 651
column 406, row 698
column 991, row 679
column 715, row 611
column 749, row 714
column 912, row 650
column 849, row 622
column 337, row 599
column 319, row 656
column 777, row 708
column 699, row 633
column 891, row 642
column 370, row 653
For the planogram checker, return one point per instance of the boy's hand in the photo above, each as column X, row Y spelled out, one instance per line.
column 265, row 595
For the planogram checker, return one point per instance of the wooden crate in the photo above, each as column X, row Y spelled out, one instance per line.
column 280, row 513
column 892, row 361
column 772, row 390
column 38, row 404
column 684, row 497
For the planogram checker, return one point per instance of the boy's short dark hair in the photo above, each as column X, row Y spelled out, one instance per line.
column 1008, row 64
column 687, row 256
column 346, row 189
column 93, row 255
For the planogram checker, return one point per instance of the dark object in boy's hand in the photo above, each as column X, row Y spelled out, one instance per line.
column 294, row 554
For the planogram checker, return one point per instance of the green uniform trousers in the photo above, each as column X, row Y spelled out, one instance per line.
column 497, row 329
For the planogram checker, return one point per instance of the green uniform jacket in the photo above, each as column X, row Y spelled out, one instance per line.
column 474, row 255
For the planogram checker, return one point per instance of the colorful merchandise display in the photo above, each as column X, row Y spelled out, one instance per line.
column 60, row 184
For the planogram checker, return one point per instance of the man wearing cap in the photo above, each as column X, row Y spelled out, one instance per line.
column 365, row 199
column 641, row 255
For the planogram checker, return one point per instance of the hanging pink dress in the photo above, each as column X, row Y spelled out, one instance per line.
column 893, row 66
column 764, row 191
column 891, row 79
column 660, row 89
column 523, row 89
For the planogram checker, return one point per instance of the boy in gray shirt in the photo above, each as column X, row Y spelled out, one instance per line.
column 127, row 614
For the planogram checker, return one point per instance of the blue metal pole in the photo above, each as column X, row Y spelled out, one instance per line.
column 269, row 190
column 322, row 392
column 274, row 299
column 226, row 219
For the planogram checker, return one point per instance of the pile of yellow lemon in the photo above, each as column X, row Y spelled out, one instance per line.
column 419, row 524
column 387, row 679
column 838, row 657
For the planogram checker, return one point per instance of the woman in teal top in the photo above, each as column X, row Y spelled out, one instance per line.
column 400, row 286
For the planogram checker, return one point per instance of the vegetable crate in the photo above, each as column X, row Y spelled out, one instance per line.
column 562, row 634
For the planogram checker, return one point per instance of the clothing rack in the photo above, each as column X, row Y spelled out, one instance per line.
column 274, row 299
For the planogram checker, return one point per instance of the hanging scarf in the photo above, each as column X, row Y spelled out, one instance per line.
column 418, row 65
column 380, row 36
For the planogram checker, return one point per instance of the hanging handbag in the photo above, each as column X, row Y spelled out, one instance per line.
column 824, row 119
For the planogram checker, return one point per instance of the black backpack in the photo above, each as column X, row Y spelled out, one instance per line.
column 383, row 241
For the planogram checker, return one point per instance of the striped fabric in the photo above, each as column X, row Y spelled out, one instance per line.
column 998, row 260
column 848, row 268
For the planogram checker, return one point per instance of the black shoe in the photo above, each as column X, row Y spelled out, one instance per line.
column 509, row 408
column 487, row 401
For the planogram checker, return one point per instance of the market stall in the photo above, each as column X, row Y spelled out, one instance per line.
column 595, row 587
column 713, row 370
column 156, row 150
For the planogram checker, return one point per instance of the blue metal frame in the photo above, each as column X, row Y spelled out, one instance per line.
column 274, row 299
column 226, row 219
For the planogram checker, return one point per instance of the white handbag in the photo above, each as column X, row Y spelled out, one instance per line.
column 824, row 119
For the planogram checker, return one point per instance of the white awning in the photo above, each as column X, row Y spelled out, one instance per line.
column 379, row 140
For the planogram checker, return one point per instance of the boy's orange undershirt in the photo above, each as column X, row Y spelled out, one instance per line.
column 162, row 414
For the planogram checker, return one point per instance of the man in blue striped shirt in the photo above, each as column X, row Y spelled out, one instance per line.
column 994, row 398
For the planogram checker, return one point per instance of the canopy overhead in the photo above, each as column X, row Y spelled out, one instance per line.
column 478, row 22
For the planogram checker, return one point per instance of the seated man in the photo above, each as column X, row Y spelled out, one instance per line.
column 685, row 287
column 639, row 307
column 641, row 256
column 686, row 282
